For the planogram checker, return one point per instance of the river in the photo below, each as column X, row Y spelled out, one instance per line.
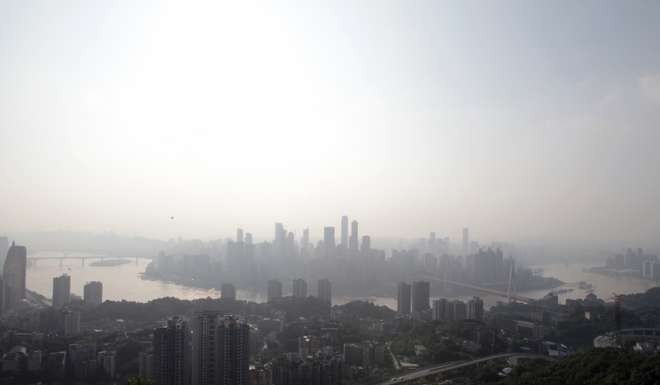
column 124, row 282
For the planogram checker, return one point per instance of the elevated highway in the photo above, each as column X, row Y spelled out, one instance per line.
column 434, row 370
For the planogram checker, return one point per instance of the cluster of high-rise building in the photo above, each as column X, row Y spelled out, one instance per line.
column 341, row 254
column 240, row 260
column 92, row 292
column 214, row 351
column 635, row 262
column 489, row 266
column 70, row 316
column 457, row 310
column 631, row 259
column 246, row 261
column 13, row 291
column 651, row 268
column 346, row 259
column 299, row 289
column 13, row 288
column 81, row 361
column 349, row 243
column 413, row 298
column 310, row 370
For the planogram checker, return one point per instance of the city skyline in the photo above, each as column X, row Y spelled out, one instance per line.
column 377, row 192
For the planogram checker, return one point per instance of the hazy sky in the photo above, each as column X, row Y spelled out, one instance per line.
column 519, row 119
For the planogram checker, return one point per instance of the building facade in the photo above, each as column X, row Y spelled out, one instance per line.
column 228, row 292
column 233, row 352
column 171, row 354
column 403, row 298
column 14, row 276
column 421, row 296
column 93, row 293
column 300, row 288
column 61, row 291
column 325, row 291
column 274, row 290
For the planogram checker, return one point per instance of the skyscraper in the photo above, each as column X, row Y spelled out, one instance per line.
column 248, row 238
column 366, row 244
column 466, row 241
column 228, row 291
column 441, row 309
column 274, row 290
column 459, row 310
column 239, row 235
column 70, row 322
column 171, row 353
column 304, row 241
column 233, row 352
column 299, row 288
column 475, row 309
column 14, row 276
column 344, row 232
column 93, row 293
column 205, row 352
column 280, row 233
column 421, row 295
column 107, row 361
column 329, row 237
column 353, row 242
column 146, row 365
column 325, row 290
column 403, row 298
column 61, row 291
column 4, row 247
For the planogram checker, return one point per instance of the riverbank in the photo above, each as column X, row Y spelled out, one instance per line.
column 128, row 282
column 618, row 272
column 387, row 294
column 110, row 262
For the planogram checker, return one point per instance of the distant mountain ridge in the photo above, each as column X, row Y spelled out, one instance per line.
column 110, row 244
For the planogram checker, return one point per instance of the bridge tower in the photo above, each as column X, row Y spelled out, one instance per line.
column 617, row 317
column 511, row 289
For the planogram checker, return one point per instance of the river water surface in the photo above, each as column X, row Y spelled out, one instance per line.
column 125, row 282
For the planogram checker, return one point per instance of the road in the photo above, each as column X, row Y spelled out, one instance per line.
column 395, row 360
column 457, row 365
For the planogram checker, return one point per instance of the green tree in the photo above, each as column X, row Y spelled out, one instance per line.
column 139, row 381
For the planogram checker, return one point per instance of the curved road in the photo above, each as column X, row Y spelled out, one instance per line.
column 458, row 364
